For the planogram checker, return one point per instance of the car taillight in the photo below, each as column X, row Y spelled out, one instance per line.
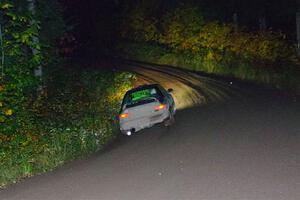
column 160, row 107
column 123, row 115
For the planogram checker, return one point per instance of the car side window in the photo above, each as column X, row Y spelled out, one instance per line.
column 162, row 90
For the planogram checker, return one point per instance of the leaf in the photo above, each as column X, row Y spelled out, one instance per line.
column 2, row 119
column 6, row 6
column 13, row 16
column 8, row 112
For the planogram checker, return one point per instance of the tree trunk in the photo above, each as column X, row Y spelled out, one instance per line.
column 235, row 22
column 2, row 53
column 38, row 72
column 262, row 23
column 298, row 32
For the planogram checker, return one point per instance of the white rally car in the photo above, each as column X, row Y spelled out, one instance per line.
column 144, row 106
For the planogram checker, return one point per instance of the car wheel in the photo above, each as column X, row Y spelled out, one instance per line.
column 169, row 121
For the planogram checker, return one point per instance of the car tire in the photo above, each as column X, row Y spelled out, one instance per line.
column 169, row 121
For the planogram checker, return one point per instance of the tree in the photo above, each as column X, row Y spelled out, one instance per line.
column 23, row 54
column 180, row 27
column 38, row 72
column 140, row 23
column 298, row 28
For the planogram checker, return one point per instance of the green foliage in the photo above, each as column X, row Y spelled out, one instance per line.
column 184, row 39
column 17, row 81
column 52, row 28
column 226, row 65
column 75, row 112
column 180, row 26
column 266, row 47
column 215, row 36
column 26, row 44
column 184, row 29
column 74, row 116
column 139, row 23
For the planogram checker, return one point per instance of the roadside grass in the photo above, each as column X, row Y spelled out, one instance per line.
column 76, row 115
column 284, row 75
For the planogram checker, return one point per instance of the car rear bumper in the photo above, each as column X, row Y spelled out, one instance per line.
column 141, row 123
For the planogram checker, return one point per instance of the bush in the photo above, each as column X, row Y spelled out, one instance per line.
column 264, row 47
column 72, row 114
column 285, row 76
column 75, row 116
column 138, row 24
column 183, row 38
column 179, row 28
column 17, row 82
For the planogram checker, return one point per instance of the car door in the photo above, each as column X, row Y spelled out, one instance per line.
column 168, row 97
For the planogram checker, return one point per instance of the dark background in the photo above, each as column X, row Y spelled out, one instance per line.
column 95, row 23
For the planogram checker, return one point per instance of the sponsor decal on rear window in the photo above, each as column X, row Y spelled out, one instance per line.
column 142, row 94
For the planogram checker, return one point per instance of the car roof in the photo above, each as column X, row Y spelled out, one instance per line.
column 142, row 87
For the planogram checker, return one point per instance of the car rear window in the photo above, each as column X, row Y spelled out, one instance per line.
column 142, row 96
